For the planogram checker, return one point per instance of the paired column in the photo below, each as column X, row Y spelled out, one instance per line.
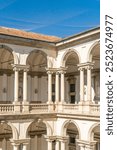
column 88, row 67
column 63, row 144
column 62, row 87
column 86, row 145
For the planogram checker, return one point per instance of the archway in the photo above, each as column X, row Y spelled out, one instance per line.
column 71, row 60
column 37, row 77
column 94, row 56
column 71, row 129
column 6, row 74
column 94, row 135
column 5, row 136
column 36, row 132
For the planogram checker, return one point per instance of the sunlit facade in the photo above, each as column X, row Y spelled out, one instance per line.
column 49, row 91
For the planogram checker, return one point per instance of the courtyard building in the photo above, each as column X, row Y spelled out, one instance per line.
column 49, row 91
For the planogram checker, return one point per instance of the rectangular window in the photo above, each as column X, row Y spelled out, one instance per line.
column 72, row 87
column 71, row 140
column 53, row 87
column 72, row 99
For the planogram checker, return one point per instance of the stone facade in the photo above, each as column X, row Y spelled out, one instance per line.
column 49, row 91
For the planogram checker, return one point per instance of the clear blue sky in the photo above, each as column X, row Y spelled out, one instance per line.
column 52, row 17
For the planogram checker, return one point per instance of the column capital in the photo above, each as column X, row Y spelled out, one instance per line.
column 18, row 67
column 19, row 141
column 50, row 138
column 63, row 139
column 63, row 70
column 87, row 144
column 87, row 65
column 15, row 67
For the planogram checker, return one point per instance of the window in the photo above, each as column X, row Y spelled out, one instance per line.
column 72, row 99
column 53, row 87
column 72, row 140
column 72, row 87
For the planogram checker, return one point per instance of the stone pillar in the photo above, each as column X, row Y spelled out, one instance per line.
column 24, row 146
column 5, row 86
column 63, row 141
column 36, row 142
column 81, row 84
column 90, row 146
column 49, row 87
column 86, row 145
column 62, row 86
column 16, row 84
column 4, row 142
column 57, row 145
column 25, row 85
column 57, row 88
column 16, row 103
column 49, row 143
column 25, row 97
column 16, row 147
column 89, row 86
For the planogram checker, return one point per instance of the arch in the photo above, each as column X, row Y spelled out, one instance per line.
column 67, row 54
column 37, row 56
column 65, row 125
column 48, row 127
column 16, row 61
column 89, row 56
column 14, row 130
column 90, row 133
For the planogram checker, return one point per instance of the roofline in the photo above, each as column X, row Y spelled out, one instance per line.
column 77, row 36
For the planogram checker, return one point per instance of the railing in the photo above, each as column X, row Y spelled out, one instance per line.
column 6, row 108
column 70, row 108
column 94, row 108
column 44, row 108
column 38, row 108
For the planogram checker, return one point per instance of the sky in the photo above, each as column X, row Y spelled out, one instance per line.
column 60, row 18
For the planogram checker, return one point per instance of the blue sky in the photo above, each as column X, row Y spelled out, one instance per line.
column 52, row 17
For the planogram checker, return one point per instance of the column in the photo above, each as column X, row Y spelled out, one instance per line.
column 63, row 142
column 49, row 87
column 5, row 86
column 36, row 142
column 35, row 88
column 62, row 87
column 4, row 142
column 57, row 88
column 90, row 146
column 49, row 143
column 82, row 146
column 24, row 146
column 25, row 85
column 89, row 87
column 81, row 84
column 57, row 145
column 15, row 146
column 16, row 83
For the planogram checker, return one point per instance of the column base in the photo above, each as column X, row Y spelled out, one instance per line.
column 17, row 107
column 51, row 106
column 25, row 107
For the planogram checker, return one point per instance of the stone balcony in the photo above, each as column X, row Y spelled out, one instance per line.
column 42, row 108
